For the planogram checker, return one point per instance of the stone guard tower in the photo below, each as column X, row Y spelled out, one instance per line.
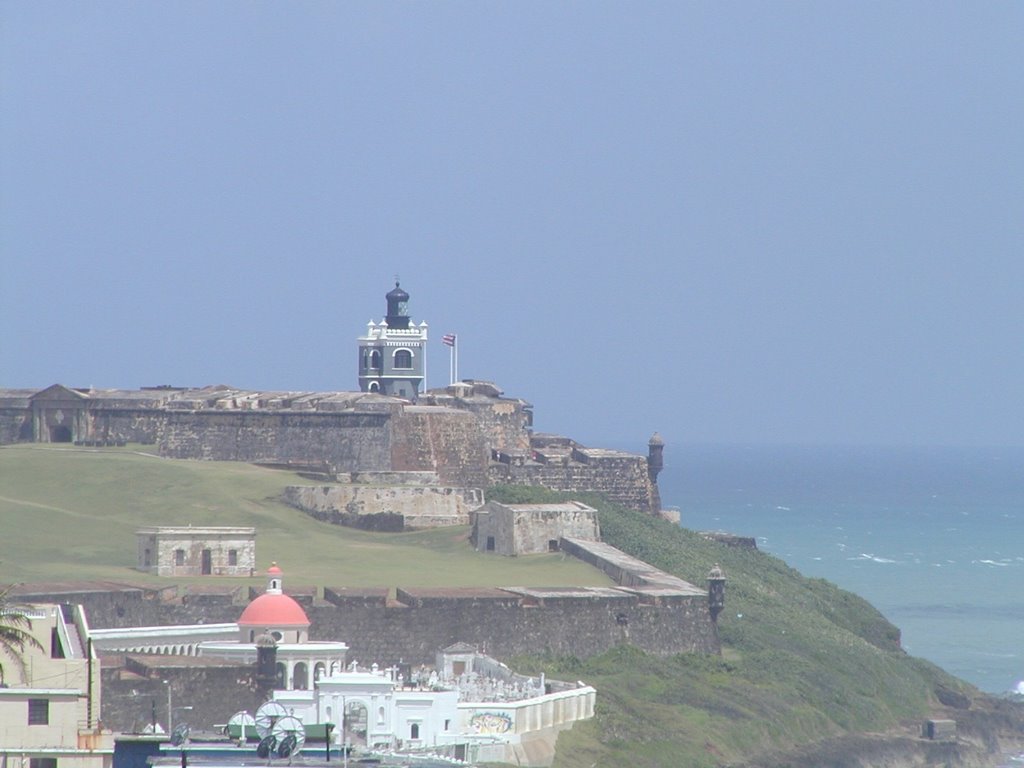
column 392, row 354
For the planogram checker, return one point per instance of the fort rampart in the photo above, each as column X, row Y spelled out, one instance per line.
column 412, row 624
column 648, row 608
column 467, row 434
column 392, row 507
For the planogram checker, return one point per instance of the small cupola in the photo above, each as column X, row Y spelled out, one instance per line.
column 398, row 310
column 275, row 613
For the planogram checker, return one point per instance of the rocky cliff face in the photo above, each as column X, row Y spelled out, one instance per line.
column 989, row 733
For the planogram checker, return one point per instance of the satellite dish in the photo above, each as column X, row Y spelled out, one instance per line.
column 290, row 734
column 266, row 746
column 179, row 735
column 268, row 714
column 243, row 720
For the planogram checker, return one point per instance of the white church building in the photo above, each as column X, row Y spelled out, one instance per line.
column 469, row 706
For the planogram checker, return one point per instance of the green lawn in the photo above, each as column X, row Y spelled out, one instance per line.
column 70, row 513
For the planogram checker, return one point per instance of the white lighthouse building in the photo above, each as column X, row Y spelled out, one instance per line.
column 392, row 354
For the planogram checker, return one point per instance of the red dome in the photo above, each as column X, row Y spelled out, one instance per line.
column 270, row 610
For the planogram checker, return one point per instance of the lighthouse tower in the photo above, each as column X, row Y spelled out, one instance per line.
column 392, row 354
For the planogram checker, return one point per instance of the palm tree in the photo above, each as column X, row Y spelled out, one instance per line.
column 14, row 633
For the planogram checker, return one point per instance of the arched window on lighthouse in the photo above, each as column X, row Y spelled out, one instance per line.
column 403, row 358
column 375, row 359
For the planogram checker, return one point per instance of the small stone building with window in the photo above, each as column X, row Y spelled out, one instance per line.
column 197, row 550
column 524, row 529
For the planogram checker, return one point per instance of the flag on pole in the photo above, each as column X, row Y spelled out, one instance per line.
column 449, row 339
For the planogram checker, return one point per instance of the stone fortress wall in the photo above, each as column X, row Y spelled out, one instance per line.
column 390, row 506
column 647, row 608
column 467, row 434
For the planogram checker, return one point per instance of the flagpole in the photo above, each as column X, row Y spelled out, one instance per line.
column 451, row 340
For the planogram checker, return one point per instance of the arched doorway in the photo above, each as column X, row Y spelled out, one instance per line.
column 355, row 724
column 300, row 677
column 60, row 434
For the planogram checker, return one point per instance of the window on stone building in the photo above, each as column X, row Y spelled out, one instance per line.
column 232, row 557
column 490, row 543
column 403, row 358
column 38, row 711
column 552, row 545
column 375, row 359
column 179, row 557
column 42, row 762
column 414, row 731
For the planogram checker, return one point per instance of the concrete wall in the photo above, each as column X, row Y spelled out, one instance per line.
column 133, row 687
column 575, row 622
column 518, row 529
column 443, row 440
column 505, row 422
column 348, row 441
column 15, row 416
column 471, row 439
column 504, row 622
column 623, row 480
column 358, row 505
column 125, row 425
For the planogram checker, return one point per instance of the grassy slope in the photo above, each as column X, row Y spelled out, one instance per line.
column 802, row 660
column 71, row 514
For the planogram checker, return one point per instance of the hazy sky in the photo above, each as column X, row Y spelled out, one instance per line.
column 729, row 222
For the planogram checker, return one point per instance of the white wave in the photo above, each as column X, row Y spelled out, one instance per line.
column 1000, row 563
column 785, row 509
column 1019, row 688
column 872, row 558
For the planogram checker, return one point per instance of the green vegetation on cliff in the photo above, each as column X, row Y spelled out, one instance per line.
column 802, row 661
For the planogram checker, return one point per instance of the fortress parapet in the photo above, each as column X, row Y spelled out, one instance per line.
column 468, row 434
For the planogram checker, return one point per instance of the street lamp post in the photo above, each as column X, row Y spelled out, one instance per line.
column 169, row 717
column 171, row 709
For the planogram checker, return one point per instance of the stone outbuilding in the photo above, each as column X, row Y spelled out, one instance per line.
column 523, row 529
column 197, row 550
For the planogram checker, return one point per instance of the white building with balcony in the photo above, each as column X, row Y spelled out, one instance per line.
column 50, row 706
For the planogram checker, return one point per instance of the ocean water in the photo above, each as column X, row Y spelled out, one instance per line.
column 932, row 537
